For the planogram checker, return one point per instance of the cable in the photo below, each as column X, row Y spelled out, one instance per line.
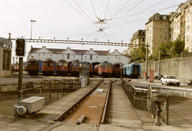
column 136, row 5
column 106, row 9
column 143, row 15
column 94, row 9
column 127, row 1
column 81, row 9
column 143, row 10
column 80, row 12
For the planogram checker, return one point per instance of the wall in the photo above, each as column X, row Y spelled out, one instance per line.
column 180, row 67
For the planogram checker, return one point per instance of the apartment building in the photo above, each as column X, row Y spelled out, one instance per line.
column 178, row 23
column 188, row 26
column 138, row 39
column 157, row 31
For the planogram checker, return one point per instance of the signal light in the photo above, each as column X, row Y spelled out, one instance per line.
column 20, row 47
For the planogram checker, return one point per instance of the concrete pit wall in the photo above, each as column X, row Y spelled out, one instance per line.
column 180, row 67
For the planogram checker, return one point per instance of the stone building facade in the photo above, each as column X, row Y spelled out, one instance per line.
column 137, row 40
column 157, row 31
column 5, row 57
column 91, row 56
column 178, row 23
column 188, row 26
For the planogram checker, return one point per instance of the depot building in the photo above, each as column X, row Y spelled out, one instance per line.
column 69, row 55
column 5, row 57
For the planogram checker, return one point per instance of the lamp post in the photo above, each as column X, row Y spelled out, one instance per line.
column 146, row 62
column 32, row 21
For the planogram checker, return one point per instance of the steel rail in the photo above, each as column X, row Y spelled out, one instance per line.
column 106, row 104
column 76, row 103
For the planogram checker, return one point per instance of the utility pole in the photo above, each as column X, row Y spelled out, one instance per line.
column 20, row 88
column 32, row 21
column 159, row 70
column 146, row 62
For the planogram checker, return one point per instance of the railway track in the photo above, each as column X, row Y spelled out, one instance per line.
column 93, row 109
column 59, row 110
column 121, row 112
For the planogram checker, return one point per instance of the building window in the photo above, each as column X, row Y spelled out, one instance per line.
column 6, row 59
column 143, row 39
column 68, row 55
column 91, row 56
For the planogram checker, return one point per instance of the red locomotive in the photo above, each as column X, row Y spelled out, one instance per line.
column 62, row 67
column 88, row 66
column 48, row 67
column 75, row 67
column 103, row 69
column 32, row 67
column 117, row 70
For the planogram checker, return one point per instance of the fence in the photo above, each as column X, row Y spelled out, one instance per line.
column 50, row 89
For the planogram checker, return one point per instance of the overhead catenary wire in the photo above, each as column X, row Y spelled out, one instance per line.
column 123, row 6
column 133, row 7
column 106, row 9
column 94, row 10
column 79, row 12
column 128, row 15
column 81, row 9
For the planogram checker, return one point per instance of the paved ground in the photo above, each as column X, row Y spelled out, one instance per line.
column 121, row 112
column 180, row 119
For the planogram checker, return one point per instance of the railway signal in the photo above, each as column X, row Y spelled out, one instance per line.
column 20, row 47
column 20, row 51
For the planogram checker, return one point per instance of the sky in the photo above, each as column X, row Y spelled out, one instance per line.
column 76, row 19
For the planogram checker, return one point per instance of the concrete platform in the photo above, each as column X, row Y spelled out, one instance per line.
column 121, row 112
column 55, row 109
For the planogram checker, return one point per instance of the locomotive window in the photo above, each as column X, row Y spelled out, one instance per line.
column 102, row 66
column 60, row 64
column 65, row 64
column 74, row 64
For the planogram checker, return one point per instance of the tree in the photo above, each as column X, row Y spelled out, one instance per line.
column 178, row 47
column 170, row 49
column 164, row 50
column 138, row 54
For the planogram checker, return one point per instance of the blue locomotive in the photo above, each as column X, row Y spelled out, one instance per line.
column 132, row 70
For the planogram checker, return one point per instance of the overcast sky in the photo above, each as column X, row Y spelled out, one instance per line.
column 77, row 19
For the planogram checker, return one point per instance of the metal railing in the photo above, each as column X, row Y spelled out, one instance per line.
column 54, row 88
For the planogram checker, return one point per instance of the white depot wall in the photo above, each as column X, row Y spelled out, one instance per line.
column 43, row 54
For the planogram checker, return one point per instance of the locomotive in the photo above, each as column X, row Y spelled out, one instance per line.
column 103, row 69
column 48, row 67
column 132, row 70
column 32, row 67
column 62, row 67
column 117, row 70
column 88, row 66
column 75, row 67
